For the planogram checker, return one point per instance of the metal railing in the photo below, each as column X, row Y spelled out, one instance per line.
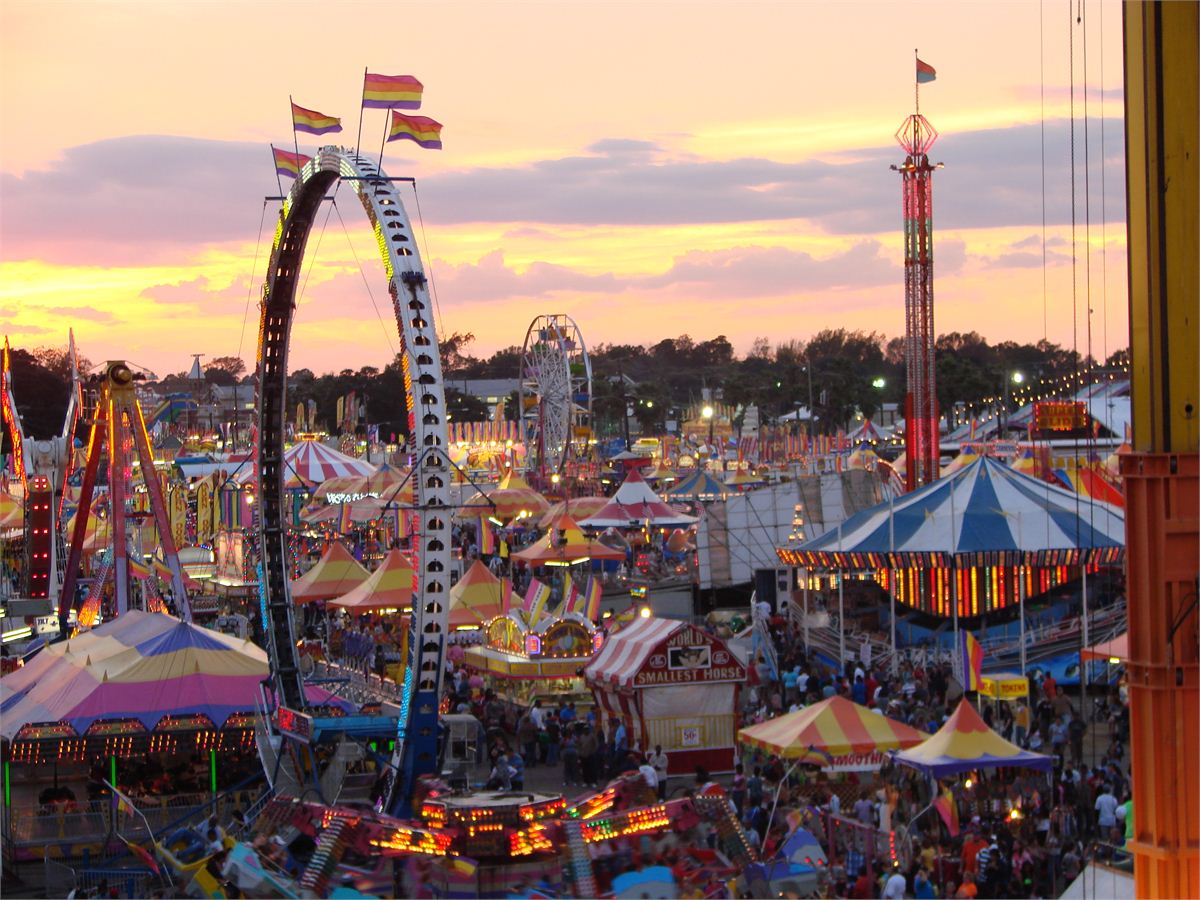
column 98, row 819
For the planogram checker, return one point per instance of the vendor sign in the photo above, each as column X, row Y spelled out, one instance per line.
column 1004, row 686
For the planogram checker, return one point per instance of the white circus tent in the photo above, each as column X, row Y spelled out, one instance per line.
column 307, row 464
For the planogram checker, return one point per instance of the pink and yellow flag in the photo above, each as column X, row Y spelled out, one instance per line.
column 536, row 596
column 391, row 92
column 422, row 130
column 312, row 122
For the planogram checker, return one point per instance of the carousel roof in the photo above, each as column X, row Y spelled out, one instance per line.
column 307, row 464
column 142, row 666
column 698, row 486
column 984, row 514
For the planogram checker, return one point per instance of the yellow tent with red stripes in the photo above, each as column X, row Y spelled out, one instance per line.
column 336, row 573
column 829, row 729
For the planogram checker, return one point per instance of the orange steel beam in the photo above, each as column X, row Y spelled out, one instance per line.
column 1162, row 475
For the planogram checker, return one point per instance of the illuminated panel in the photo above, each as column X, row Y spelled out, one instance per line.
column 1059, row 415
column 531, row 812
column 407, row 840
column 294, row 724
column 594, row 805
column 533, row 645
column 531, row 840
column 635, row 821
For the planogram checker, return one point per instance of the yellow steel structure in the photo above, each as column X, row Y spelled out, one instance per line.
column 1162, row 475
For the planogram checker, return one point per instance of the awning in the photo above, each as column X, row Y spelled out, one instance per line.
column 1117, row 648
column 509, row 665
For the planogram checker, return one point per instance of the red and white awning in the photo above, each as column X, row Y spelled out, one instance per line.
column 625, row 652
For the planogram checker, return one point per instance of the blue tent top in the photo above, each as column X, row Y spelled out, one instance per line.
column 699, row 486
column 984, row 514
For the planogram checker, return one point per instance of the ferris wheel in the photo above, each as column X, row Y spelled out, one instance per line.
column 556, row 394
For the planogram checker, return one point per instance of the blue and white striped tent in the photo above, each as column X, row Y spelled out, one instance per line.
column 985, row 514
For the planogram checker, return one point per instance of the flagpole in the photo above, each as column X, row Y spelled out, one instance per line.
column 295, row 139
column 916, row 83
column 276, row 165
column 382, row 143
column 358, row 139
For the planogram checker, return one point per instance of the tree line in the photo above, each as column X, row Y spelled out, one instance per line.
column 844, row 372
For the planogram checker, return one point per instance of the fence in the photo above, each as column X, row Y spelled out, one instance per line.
column 35, row 825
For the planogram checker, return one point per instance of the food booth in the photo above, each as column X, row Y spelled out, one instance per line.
column 673, row 685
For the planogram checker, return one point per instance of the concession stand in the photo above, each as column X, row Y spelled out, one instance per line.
column 673, row 685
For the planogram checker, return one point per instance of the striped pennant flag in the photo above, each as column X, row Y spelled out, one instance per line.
column 536, row 596
column 591, row 599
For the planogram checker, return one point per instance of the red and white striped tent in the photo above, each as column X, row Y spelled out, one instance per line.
column 635, row 504
column 307, row 464
column 673, row 685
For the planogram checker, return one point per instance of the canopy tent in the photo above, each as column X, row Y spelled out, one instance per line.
column 661, row 472
column 1033, row 461
column 335, row 573
column 865, row 432
column 964, row 743
column 307, row 464
column 510, row 499
column 1117, row 648
column 143, row 666
column 960, row 462
column 565, row 544
column 833, row 728
column 1112, row 462
column 389, row 587
column 862, row 457
column 745, row 478
column 984, row 514
column 576, row 507
column 477, row 597
column 1088, row 481
column 336, row 487
column 698, row 486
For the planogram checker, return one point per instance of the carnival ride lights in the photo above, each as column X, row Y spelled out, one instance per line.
column 416, row 735
column 635, row 821
column 532, row 840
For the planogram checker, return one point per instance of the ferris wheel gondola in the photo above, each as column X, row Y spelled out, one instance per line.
column 556, row 395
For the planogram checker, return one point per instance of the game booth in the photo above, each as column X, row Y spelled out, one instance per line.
column 673, row 685
column 522, row 664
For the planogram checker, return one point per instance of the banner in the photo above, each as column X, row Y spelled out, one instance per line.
column 206, row 524
column 177, row 513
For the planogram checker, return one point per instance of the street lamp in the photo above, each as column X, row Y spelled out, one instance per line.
column 1015, row 378
column 707, row 413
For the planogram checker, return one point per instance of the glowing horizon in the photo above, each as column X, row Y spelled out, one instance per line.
column 703, row 169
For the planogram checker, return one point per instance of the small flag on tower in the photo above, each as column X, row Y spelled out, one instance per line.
column 420, row 129
column 391, row 92
column 289, row 164
column 925, row 72
column 312, row 122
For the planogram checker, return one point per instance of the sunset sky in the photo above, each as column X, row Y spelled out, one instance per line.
column 650, row 168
